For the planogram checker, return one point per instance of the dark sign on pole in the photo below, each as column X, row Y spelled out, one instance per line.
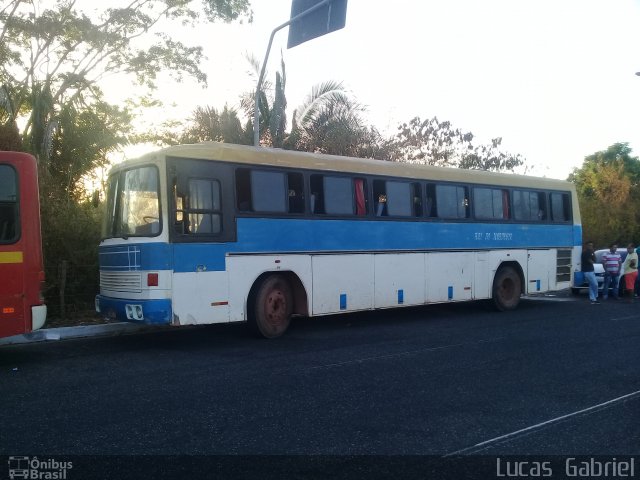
column 325, row 19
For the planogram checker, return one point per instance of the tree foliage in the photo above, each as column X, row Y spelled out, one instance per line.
column 206, row 124
column 607, row 188
column 52, row 55
column 438, row 143
column 272, row 105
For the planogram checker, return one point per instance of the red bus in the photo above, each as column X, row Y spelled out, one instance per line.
column 22, row 307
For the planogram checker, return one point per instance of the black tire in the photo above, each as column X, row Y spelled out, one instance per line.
column 271, row 307
column 507, row 288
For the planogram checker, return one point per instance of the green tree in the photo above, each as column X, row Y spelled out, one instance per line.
column 272, row 105
column 52, row 54
column 607, row 188
column 438, row 143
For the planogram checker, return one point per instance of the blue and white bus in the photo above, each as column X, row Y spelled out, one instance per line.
column 213, row 233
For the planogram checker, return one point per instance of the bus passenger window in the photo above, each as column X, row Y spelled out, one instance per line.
column 268, row 193
column 198, row 209
column 295, row 183
column 453, row 201
column 529, row 206
column 399, row 199
column 417, row 199
column 560, row 207
column 380, row 197
column 430, row 205
column 338, row 196
column 243, row 190
column 491, row 203
column 317, row 198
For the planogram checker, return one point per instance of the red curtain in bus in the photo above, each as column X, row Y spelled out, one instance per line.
column 360, row 205
column 505, row 204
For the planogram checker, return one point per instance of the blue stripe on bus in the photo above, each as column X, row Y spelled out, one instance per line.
column 343, row 301
column 450, row 293
column 259, row 235
column 400, row 297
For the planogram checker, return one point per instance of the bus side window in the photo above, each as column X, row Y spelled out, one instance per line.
column 243, row 190
column 529, row 206
column 380, row 197
column 417, row 199
column 317, row 189
column 338, row 195
column 295, row 184
column 430, row 205
column 180, row 219
column 542, row 206
column 490, row 203
column 453, row 201
column 560, row 207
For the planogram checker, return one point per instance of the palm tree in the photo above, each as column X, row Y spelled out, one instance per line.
column 272, row 105
column 330, row 121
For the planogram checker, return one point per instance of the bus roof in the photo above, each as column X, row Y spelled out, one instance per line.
column 227, row 152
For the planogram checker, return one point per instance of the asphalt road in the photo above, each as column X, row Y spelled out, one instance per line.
column 558, row 376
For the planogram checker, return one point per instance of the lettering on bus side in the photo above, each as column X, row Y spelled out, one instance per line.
column 499, row 236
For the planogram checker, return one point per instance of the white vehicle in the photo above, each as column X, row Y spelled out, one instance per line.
column 213, row 233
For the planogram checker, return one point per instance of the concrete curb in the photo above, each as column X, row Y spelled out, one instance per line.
column 81, row 331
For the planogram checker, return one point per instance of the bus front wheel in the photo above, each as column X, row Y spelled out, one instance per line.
column 272, row 307
column 506, row 289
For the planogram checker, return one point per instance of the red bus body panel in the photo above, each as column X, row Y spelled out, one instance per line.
column 21, row 263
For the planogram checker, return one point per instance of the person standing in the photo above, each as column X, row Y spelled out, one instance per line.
column 587, row 260
column 611, row 261
column 630, row 270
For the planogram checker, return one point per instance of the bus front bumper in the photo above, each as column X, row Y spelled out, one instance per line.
column 153, row 312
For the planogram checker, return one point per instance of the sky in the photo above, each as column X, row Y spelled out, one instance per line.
column 554, row 78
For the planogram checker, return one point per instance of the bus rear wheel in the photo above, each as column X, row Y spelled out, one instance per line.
column 272, row 307
column 506, row 289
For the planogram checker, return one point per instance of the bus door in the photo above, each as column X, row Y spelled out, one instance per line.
column 12, row 314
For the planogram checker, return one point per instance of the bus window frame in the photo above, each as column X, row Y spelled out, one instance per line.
column 187, row 168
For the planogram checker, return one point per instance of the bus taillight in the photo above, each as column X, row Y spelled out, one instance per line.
column 152, row 280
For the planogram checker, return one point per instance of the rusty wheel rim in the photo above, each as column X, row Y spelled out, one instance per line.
column 507, row 288
column 276, row 308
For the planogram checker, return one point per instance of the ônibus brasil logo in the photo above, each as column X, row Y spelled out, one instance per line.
column 29, row 468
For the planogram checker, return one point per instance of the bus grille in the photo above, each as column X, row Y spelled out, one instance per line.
column 563, row 265
column 121, row 281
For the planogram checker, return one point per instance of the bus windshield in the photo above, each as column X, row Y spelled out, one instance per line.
column 133, row 204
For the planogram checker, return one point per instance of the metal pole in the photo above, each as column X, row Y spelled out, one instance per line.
column 256, row 109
